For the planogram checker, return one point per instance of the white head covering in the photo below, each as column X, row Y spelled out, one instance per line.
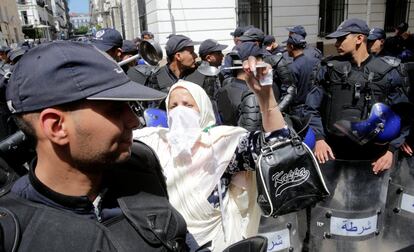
column 207, row 117
column 191, row 181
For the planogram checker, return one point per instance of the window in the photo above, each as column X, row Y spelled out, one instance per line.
column 395, row 13
column 142, row 13
column 24, row 17
column 16, row 34
column 331, row 15
column 255, row 12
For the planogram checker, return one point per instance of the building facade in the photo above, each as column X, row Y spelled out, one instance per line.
column 80, row 19
column 37, row 19
column 61, row 22
column 107, row 13
column 204, row 19
column 10, row 26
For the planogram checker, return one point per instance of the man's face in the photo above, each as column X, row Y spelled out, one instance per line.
column 289, row 48
column 147, row 37
column 375, row 46
column 101, row 133
column 115, row 53
column 346, row 45
column 187, row 57
column 215, row 58
column 127, row 56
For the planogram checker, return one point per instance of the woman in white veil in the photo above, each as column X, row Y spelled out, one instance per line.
column 209, row 168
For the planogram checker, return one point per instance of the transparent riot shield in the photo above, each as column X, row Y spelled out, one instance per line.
column 399, row 213
column 284, row 233
column 351, row 219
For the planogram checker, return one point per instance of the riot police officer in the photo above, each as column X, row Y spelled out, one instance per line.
column 302, row 69
column 309, row 51
column 347, row 87
column 229, row 97
column 81, row 124
column 376, row 42
column 271, row 45
column 110, row 41
column 180, row 63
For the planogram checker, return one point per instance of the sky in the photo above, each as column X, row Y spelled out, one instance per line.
column 79, row 6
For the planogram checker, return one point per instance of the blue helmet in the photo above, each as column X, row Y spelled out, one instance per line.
column 382, row 126
column 155, row 117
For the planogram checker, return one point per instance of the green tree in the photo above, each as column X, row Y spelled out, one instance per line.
column 81, row 30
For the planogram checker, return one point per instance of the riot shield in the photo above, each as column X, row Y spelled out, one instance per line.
column 399, row 213
column 283, row 233
column 351, row 218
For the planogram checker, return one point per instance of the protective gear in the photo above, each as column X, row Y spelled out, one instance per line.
column 283, row 233
column 350, row 93
column 250, row 117
column 153, row 226
column 350, row 219
column 141, row 73
column 399, row 214
column 382, row 126
column 155, row 118
column 229, row 99
column 283, row 78
column 184, row 124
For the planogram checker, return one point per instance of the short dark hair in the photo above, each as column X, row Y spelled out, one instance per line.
column 25, row 124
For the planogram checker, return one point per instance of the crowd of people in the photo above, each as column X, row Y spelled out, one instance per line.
column 101, row 181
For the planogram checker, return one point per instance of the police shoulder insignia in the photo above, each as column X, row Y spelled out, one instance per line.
column 393, row 61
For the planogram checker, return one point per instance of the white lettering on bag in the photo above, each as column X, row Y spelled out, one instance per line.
column 289, row 179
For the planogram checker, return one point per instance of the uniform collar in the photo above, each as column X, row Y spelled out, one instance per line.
column 75, row 202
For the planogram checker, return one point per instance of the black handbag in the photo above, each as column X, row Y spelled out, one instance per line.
column 288, row 177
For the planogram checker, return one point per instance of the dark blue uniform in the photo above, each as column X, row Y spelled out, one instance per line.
column 335, row 97
column 302, row 69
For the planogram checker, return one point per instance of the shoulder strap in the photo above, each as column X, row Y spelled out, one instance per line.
column 9, row 230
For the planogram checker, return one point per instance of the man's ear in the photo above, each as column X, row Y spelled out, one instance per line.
column 208, row 58
column 118, row 53
column 53, row 124
column 177, row 56
column 359, row 39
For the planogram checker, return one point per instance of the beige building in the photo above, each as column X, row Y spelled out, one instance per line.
column 10, row 26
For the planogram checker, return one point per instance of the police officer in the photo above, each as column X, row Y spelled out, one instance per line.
column 129, row 49
column 80, row 195
column 229, row 97
column 228, row 61
column 348, row 85
column 271, row 45
column 180, row 63
column 211, row 54
column 376, row 42
column 302, row 69
column 110, row 41
column 283, row 81
column 401, row 45
column 146, row 35
column 237, row 33
column 310, row 51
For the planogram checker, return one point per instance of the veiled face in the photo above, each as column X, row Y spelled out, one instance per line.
column 181, row 97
